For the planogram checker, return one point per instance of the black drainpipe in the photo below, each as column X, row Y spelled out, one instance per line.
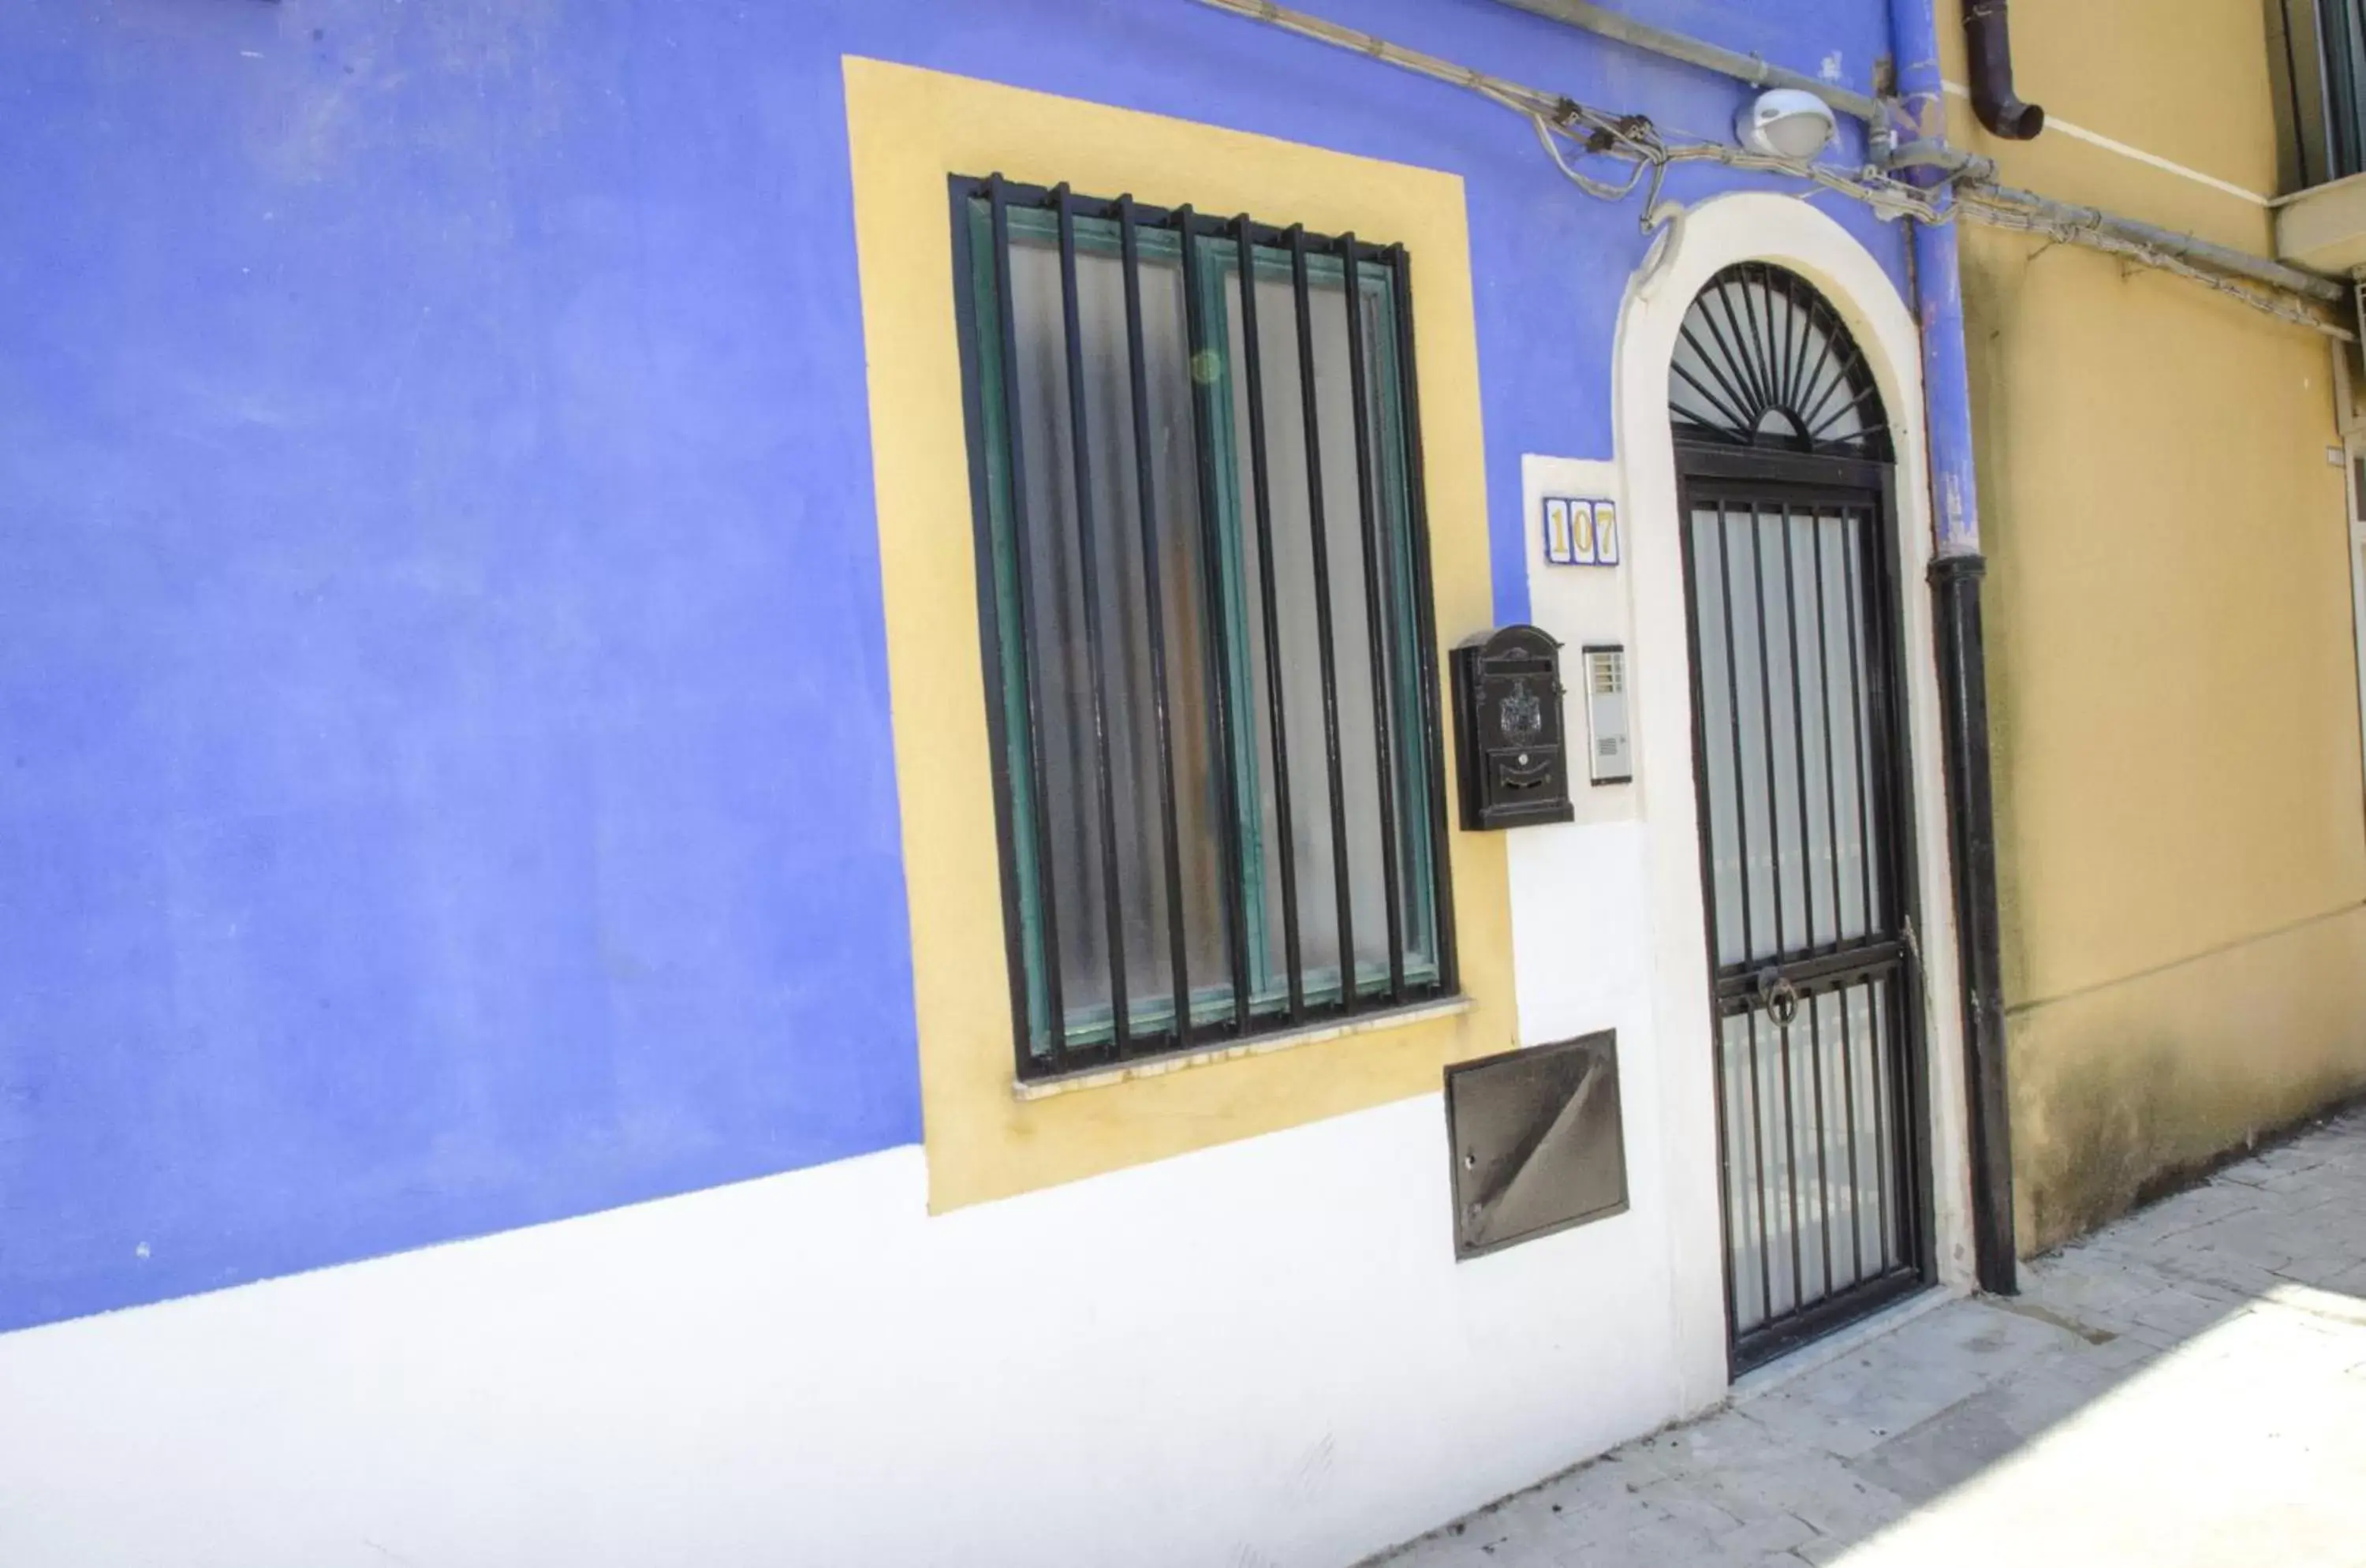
column 1990, row 36
column 1971, row 831
column 1955, row 573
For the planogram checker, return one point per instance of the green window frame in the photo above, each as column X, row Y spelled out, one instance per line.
column 1145, row 616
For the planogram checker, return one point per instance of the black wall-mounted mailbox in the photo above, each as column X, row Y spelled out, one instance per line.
column 1512, row 747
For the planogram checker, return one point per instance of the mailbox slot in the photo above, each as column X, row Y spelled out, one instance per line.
column 1538, row 1142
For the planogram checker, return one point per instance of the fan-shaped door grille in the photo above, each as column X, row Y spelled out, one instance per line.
column 1763, row 360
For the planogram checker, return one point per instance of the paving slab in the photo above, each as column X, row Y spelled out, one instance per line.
column 2185, row 1389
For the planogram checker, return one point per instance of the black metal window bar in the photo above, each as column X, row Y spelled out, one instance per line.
column 1204, row 598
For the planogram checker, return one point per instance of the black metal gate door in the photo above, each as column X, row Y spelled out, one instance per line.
column 1800, row 741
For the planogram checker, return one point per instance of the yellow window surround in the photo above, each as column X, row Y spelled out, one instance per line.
column 909, row 130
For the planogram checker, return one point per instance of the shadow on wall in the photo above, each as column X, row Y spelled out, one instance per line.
column 2064, row 1426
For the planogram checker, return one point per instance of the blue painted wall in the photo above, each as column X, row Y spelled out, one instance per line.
column 445, row 772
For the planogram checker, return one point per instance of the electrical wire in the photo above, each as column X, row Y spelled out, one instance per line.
column 1634, row 139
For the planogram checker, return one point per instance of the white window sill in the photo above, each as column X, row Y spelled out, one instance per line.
column 1290, row 1040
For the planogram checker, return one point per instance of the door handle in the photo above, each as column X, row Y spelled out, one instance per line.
column 1781, row 997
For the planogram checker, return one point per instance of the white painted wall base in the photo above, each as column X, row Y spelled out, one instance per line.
column 1262, row 1354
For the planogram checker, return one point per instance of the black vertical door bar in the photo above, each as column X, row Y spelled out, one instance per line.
column 1913, row 1170
column 1328, row 659
column 1055, row 1019
column 1732, row 1224
column 1212, row 546
column 1375, row 623
column 1915, row 1192
column 1832, row 809
column 1898, row 1013
column 1766, row 722
column 1884, row 1119
column 1854, row 541
column 1774, row 859
column 1741, row 816
column 1734, row 715
column 1758, row 1129
column 1261, row 501
column 1852, row 548
column 1154, row 618
column 1440, row 891
column 1088, row 557
column 1728, row 1178
column 1814, row 1003
column 1807, row 880
column 1881, row 657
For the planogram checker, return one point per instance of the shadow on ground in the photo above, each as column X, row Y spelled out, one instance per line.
column 2187, row 1386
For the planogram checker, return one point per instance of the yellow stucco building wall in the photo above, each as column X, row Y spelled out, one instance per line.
column 2182, row 815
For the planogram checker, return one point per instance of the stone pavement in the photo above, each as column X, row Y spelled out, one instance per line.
column 2185, row 1387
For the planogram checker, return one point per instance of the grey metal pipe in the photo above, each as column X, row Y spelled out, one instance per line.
column 1742, row 67
column 1981, row 173
column 2186, row 247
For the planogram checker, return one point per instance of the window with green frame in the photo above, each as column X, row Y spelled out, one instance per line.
column 1204, row 597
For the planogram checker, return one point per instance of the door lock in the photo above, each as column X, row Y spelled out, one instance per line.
column 1782, row 997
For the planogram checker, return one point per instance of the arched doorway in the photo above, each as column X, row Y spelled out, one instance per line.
column 1805, row 797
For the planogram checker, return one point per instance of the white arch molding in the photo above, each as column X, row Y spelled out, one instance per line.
column 1754, row 226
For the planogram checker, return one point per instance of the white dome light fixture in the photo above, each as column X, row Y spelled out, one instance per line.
column 1786, row 122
